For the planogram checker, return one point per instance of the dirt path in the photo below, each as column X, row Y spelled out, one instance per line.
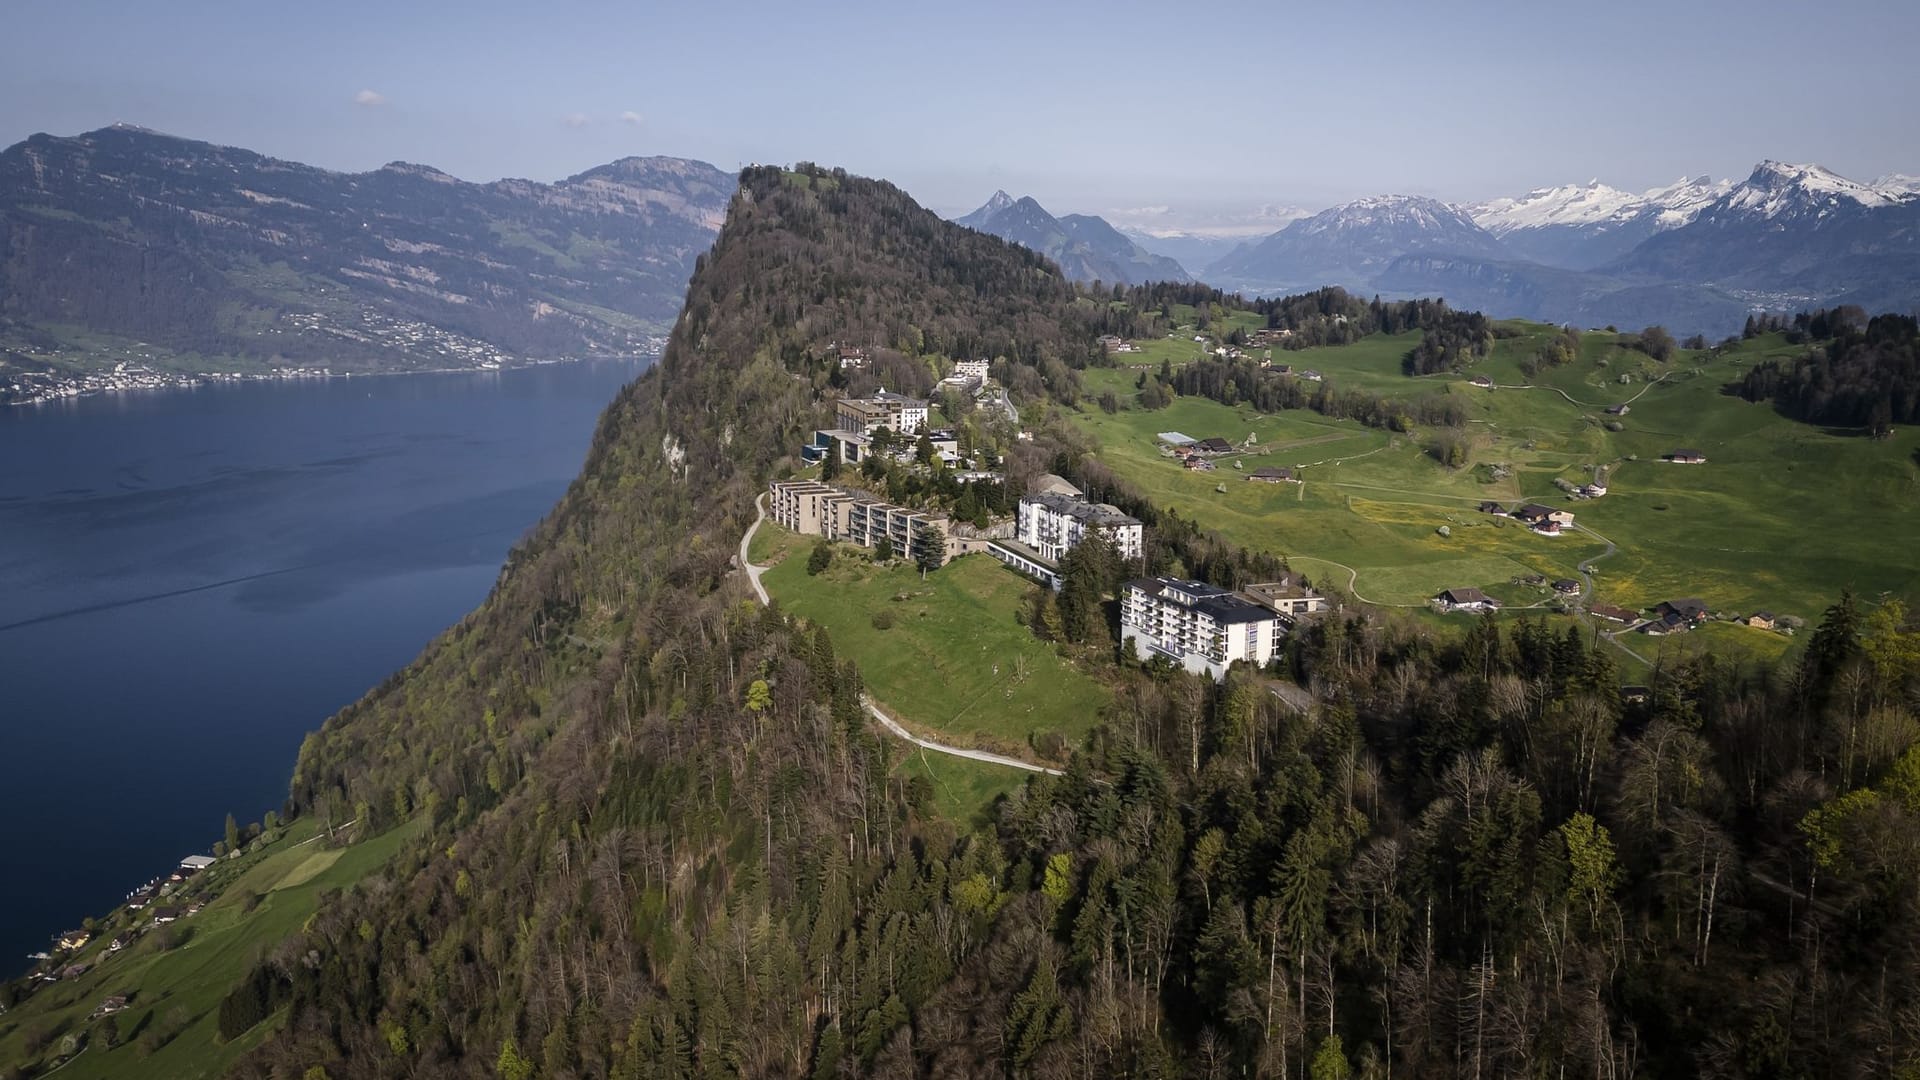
column 873, row 707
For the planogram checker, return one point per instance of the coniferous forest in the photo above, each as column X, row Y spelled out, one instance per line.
column 664, row 840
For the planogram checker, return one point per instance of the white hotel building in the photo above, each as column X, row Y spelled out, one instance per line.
column 1201, row 627
column 1051, row 524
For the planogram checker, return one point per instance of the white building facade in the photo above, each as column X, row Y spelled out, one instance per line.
column 1052, row 524
column 1203, row 628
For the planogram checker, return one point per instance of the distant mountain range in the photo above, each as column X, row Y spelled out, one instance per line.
column 1696, row 256
column 130, row 243
column 1352, row 244
column 1087, row 248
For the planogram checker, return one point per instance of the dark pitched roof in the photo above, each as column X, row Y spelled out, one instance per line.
column 1690, row 607
column 1467, row 596
column 1216, row 445
column 1566, row 585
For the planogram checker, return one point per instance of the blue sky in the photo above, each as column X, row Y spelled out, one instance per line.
column 1090, row 107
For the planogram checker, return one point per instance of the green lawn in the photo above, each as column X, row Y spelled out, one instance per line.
column 957, row 663
column 1782, row 517
column 215, row 949
column 962, row 789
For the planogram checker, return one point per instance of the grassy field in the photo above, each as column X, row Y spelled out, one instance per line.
column 956, row 663
column 212, row 951
column 962, row 789
column 1782, row 517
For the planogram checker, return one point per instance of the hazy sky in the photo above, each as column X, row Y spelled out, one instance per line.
column 1089, row 107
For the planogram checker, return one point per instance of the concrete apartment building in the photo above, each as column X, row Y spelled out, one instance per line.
column 1051, row 524
column 899, row 413
column 812, row 508
column 1201, row 627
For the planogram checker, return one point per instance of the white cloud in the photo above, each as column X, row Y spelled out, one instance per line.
column 371, row 99
column 576, row 120
column 631, row 117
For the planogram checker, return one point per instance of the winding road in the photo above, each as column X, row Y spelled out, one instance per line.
column 873, row 707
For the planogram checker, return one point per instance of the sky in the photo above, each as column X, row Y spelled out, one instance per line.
column 1098, row 108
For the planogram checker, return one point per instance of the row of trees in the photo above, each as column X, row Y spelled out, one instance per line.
column 1856, row 372
column 1233, row 382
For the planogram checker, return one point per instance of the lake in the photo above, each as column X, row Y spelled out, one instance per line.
column 192, row 580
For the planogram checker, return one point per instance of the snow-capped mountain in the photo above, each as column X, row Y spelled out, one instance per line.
column 1898, row 184
column 1086, row 247
column 1581, row 226
column 1348, row 245
column 1795, row 235
column 1780, row 190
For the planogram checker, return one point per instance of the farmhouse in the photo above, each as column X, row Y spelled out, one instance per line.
column 1764, row 620
column 165, row 915
column 73, row 939
column 1492, row 508
column 120, row 941
column 1270, row 475
column 1547, row 528
column 1594, row 490
column 1617, row 410
column 109, row 1005
column 1053, row 524
column 1482, row 382
column 1201, row 627
column 1467, row 600
column 1615, row 614
column 1214, row 445
column 1690, row 609
column 1567, row 587
column 1535, row 514
column 1687, row 457
column 898, row 412
column 1198, row 462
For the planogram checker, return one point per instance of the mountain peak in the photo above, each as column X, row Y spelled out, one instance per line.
column 1779, row 187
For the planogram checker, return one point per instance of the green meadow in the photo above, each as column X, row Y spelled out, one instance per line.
column 258, row 900
column 1781, row 517
column 955, row 662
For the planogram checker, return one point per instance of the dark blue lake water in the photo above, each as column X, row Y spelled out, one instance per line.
column 190, row 581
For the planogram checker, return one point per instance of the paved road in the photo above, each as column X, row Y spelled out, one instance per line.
column 873, row 707
column 754, row 572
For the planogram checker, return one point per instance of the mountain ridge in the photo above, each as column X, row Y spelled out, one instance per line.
column 1086, row 247
column 183, row 254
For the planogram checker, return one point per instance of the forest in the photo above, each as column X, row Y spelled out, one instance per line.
column 1857, row 371
column 664, row 841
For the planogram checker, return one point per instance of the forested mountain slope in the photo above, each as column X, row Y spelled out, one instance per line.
column 665, row 842
column 199, row 257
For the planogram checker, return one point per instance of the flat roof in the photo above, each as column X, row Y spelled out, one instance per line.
column 1175, row 438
